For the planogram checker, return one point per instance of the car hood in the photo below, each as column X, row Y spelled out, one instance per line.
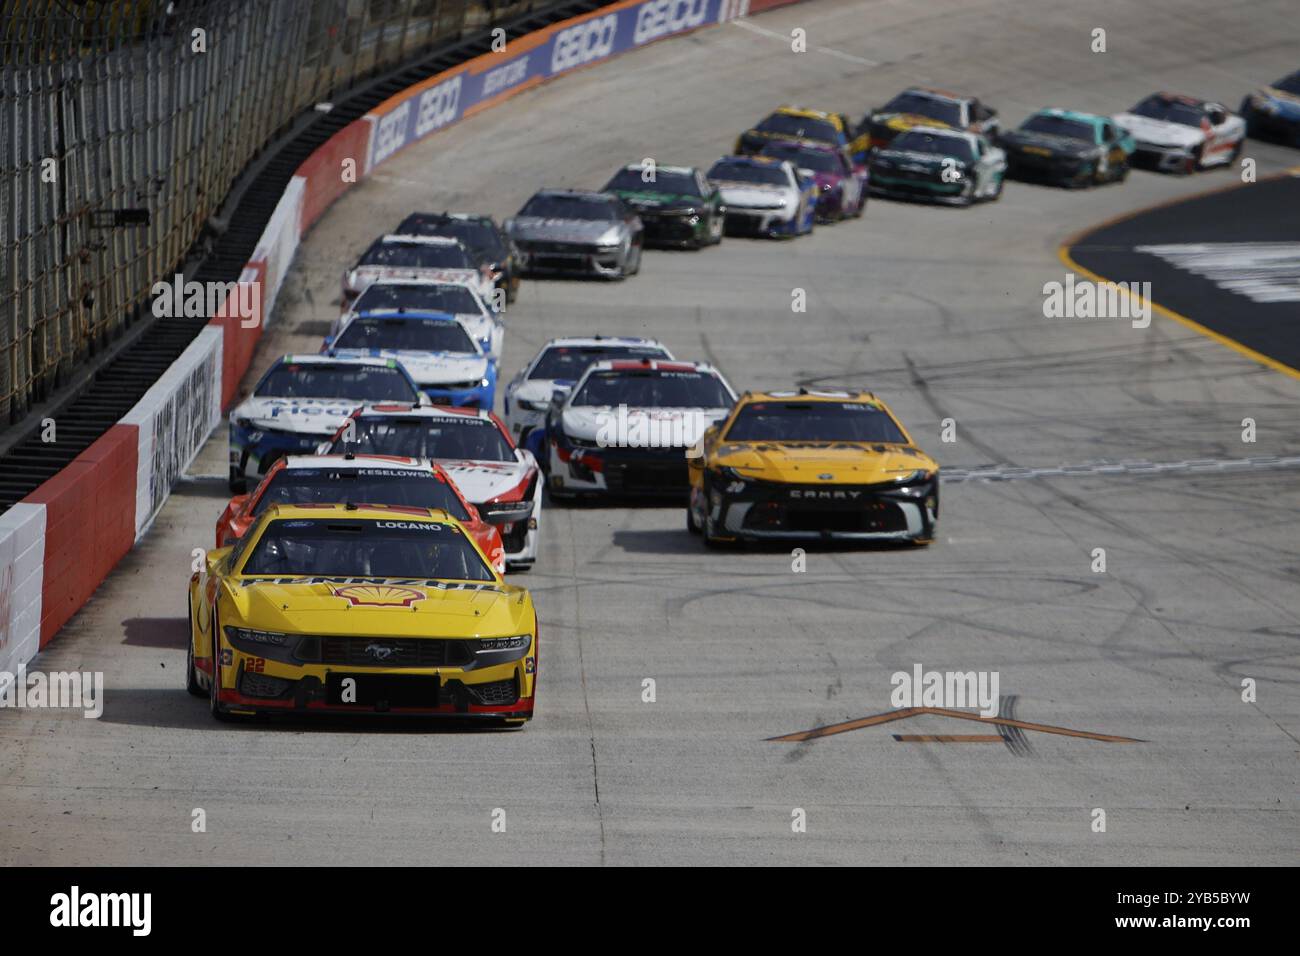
column 756, row 195
column 481, row 481
column 923, row 162
column 1159, row 132
column 1066, row 145
column 1288, row 104
column 567, row 230
column 381, row 607
column 308, row 416
column 538, row 389
column 430, row 368
column 847, row 463
column 602, row 425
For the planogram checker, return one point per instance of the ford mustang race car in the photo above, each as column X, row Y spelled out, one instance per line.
column 560, row 364
column 812, row 464
column 841, row 186
column 793, row 124
column 625, row 428
column 359, row 609
column 1274, row 111
column 924, row 107
column 676, row 204
column 941, row 165
column 1182, row 134
column 1073, row 149
column 565, row 230
column 436, row 258
column 765, row 196
column 432, row 295
column 474, row 448
column 435, row 348
column 352, row 479
column 487, row 243
column 301, row 400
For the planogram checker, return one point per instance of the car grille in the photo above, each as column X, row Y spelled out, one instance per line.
column 497, row 692
column 562, row 248
column 401, row 652
column 648, row 476
column 262, row 685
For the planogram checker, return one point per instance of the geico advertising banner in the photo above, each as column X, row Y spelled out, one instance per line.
column 442, row 100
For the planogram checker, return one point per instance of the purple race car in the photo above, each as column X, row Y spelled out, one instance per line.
column 841, row 186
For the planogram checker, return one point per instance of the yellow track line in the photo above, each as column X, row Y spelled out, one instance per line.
column 1063, row 253
column 905, row 712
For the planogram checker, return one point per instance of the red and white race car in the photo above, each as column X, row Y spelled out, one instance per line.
column 400, row 482
column 1182, row 134
column 477, row 453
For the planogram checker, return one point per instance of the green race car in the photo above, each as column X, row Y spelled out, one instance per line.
column 677, row 205
column 1068, row 148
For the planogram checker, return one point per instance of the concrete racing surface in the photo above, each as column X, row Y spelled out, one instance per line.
column 939, row 311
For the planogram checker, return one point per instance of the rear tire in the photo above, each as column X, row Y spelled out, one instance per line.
column 192, row 685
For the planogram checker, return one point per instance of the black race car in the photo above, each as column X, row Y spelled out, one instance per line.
column 1067, row 148
column 485, row 240
column 677, row 205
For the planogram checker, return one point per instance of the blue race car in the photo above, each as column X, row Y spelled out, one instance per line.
column 435, row 348
column 1274, row 111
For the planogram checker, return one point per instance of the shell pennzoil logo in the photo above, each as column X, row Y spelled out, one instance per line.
column 378, row 595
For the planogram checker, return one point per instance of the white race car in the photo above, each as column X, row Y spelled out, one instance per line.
column 765, row 196
column 559, row 364
column 1182, row 134
column 453, row 296
column 626, row 427
column 438, row 258
column 302, row 399
column 472, row 445
column 434, row 347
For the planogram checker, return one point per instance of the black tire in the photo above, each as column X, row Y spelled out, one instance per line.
column 214, row 706
column 238, row 484
column 192, row 685
column 691, row 526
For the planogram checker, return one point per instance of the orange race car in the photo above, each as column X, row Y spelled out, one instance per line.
column 359, row 479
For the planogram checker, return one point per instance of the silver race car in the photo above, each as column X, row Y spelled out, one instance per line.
column 570, row 231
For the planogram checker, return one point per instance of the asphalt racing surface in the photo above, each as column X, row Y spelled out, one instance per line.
column 938, row 310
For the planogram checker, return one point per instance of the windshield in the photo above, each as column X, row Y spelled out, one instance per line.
column 818, row 160
column 479, row 235
column 1170, row 111
column 801, row 127
column 385, row 297
column 936, row 144
column 362, row 548
column 665, row 181
column 569, row 361
column 364, row 383
column 1059, row 126
column 599, row 208
column 477, row 439
column 417, row 255
column 372, row 486
column 732, row 172
column 919, row 104
column 814, row 421
column 653, row 389
column 421, row 335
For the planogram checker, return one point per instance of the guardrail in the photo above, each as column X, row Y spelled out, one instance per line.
column 60, row 542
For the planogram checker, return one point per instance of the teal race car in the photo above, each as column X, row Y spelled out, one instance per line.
column 678, row 206
column 1068, row 148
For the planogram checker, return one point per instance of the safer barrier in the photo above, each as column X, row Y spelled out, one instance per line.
column 63, row 539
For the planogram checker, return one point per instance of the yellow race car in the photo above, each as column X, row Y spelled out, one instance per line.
column 795, row 124
column 360, row 609
column 811, row 465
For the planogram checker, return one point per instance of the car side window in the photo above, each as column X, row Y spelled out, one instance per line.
column 1108, row 133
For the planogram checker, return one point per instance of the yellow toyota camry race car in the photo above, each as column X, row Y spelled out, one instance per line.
column 360, row 609
column 811, row 465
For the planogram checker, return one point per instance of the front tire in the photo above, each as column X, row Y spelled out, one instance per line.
column 214, row 687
